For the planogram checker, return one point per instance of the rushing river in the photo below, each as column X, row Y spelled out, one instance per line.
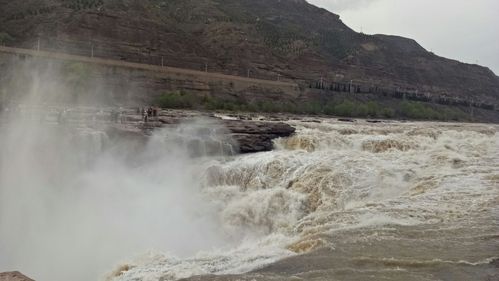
column 345, row 201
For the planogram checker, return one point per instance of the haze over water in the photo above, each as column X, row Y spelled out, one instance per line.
column 76, row 206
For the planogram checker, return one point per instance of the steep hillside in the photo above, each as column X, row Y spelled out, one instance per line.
column 267, row 38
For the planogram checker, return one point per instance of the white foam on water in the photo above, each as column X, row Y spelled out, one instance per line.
column 250, row 254
column 74, row 197
column 326, row 179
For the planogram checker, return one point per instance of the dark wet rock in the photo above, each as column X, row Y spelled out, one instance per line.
column 258, row 127
column 14, row 276
column 250, row 143
column 257, row 136
column 346, row 120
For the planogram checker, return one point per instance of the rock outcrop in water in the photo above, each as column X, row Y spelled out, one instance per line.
column 232, row 134
column 257, row 136
column 13, row 276
column 249, row 136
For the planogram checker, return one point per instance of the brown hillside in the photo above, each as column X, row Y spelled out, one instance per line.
column 290, row 38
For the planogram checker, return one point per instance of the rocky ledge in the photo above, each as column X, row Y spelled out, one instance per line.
column 241, row 133
column 247, row 135
column 257, row 136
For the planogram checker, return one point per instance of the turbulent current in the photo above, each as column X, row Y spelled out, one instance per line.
column 345, row 201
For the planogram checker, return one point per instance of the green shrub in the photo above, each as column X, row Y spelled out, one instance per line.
column 387, row 113
column 5, row 38
column 419, row 110
column 311, row 108
column 373, row 109
column 178, row 100
column 344, row 108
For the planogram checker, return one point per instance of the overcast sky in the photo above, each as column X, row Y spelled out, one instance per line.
column 465, row 30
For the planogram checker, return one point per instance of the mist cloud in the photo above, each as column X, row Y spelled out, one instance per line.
column 74, row 203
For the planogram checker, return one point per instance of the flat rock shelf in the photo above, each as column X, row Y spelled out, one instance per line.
column 246, row 133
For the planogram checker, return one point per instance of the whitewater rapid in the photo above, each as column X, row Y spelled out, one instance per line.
column 332, row 177
column 78, row 205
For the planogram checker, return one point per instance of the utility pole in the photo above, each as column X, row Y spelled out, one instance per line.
column 2, row 98
column 472, row 113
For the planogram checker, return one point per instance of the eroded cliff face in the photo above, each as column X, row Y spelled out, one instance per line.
column 291, row 39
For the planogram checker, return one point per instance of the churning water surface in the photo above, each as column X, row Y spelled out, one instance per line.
column 390, row 201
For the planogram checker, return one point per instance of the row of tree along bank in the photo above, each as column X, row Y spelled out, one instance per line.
column 344, row 105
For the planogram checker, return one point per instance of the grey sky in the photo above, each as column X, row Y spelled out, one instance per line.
column 465, row 30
